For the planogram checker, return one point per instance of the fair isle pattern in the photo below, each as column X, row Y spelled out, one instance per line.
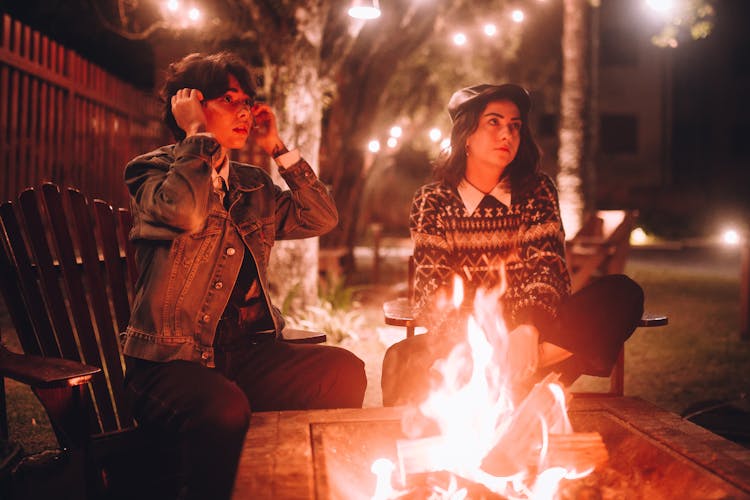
column 526, row 237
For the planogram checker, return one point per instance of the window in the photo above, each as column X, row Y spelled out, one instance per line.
column 617, row 48
column 618, row 134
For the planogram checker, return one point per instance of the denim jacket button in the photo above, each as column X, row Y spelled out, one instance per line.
column 218, row 285
column 206, row 318
column 231, row 251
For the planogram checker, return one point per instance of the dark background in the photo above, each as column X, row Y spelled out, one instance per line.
column 710, row 157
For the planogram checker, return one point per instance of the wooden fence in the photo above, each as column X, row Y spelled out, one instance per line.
column 63, row 119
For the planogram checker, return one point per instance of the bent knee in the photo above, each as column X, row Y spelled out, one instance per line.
column 229, row 412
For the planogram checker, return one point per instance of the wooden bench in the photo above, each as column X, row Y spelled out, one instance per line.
column 599, row 248
column 68, row 275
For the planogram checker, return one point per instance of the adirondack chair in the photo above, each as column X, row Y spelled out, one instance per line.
column 600, row 248
column 67, row 279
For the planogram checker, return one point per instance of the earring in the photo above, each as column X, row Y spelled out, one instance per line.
column 466, row 149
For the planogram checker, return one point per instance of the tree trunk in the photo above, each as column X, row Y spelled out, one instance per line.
column 362, row 94
column 295, row 89
column 573, row 123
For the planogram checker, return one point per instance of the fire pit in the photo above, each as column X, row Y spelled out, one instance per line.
column 482, row 433
column 327, row 454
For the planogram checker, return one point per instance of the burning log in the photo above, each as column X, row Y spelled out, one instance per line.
column 540, row 413
column 538, row 436
column 580, row 451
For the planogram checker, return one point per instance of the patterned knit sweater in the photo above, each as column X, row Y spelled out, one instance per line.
column 526, row 237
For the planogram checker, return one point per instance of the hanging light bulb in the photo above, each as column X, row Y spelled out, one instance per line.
column 365, row 9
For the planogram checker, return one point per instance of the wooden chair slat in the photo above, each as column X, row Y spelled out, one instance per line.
column 116, row 268
column 77, row 277
column 76, row 344
column 15, row 268
column 114, row 262
column 91, row 244
column 125, row 222
column 42, row 256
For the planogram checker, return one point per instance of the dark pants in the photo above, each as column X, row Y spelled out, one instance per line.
column 208, row 410
column 592, row 324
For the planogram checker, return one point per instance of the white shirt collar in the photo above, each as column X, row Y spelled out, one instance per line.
column 222, row 172
column 472, row 196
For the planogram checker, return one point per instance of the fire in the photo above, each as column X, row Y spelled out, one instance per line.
column 518, row 450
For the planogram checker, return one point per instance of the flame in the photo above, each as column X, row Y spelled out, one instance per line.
column 458, row 292
column 482, row 431
column 382, row 468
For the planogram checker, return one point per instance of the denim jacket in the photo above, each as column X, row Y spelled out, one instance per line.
column 189, row 248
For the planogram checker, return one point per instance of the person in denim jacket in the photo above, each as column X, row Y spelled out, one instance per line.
column 203, row 347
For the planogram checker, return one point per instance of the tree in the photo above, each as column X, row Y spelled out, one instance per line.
column 573, row 115
column 320, row 66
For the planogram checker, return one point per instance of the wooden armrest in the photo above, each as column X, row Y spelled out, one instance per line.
column 294, row 336
column 398, row 312
column 652, row 319
column 37, row 371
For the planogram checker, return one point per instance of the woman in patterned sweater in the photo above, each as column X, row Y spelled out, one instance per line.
column 490, row 214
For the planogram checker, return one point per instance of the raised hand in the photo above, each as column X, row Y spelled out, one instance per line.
column 187, row 110
column 265, row 132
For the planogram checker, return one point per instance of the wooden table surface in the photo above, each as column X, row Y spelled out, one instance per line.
column 327, row 453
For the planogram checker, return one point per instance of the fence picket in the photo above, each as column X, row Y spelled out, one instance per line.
column 64, row 119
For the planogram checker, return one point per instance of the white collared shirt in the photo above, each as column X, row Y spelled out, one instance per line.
column 223, row 172
column 472, row 197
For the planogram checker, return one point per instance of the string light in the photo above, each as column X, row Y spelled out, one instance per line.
column 396, row 131
column 435, row 134
column 459, row 39
column 392, row 142
column 490, row 29
column 373, row 146
column 517, row 16
column 194, row 14
column 660, row 5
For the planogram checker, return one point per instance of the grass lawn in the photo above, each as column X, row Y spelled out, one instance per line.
column 697, row 357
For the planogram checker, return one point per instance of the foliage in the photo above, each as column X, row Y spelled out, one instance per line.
column 690, row 20
column 335, row 312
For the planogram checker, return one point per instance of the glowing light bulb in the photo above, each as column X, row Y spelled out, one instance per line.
column 517, row 16
column 373, row 146
column 490, row 29
column 194, row 14
column 459, row 39
column 392, row 142
column 173, row 5
column 662, row 6
column 731, row 237
column 396, row 131
column 435, row 134
column 638, row 236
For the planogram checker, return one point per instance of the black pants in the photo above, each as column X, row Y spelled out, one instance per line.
column 207, row 411
column 592, row 324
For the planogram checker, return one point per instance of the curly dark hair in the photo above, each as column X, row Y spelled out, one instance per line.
column 450, row 167
column 208, row 73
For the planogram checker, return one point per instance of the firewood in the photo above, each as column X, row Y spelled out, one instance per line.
column 520, row 441
column 580, row 451
column 416, row 456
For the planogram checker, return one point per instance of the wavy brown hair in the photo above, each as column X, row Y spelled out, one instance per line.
column 208, row 73
column 450, row 167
